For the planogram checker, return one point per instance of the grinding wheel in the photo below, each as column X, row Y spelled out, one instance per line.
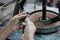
column 41, row 27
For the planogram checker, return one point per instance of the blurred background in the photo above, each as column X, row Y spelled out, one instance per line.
column 31, row 1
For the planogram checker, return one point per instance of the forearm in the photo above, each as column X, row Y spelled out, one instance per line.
column 6, row 31
column 10, row 27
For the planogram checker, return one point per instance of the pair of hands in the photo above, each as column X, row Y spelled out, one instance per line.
column 29, row 29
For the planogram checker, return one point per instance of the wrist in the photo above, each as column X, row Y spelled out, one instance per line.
column 2, row 37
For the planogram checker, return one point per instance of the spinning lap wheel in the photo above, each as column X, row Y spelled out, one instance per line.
column 36, row 18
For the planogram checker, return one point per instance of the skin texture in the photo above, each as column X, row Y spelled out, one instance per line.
column 11, row 26
column 29, row 30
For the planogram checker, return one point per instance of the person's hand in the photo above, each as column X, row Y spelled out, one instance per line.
column 19, row 16
column 11, row 26
column 14, row 21
column 29, row 30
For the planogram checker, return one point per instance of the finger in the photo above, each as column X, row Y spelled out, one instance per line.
column 30, row 23
column 22, row 13
column 19, row 16
column 22, row 16
column 27, row 21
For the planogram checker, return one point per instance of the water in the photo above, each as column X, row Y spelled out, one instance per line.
column 17, row 36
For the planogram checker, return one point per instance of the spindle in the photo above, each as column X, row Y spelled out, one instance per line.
column 44, row 9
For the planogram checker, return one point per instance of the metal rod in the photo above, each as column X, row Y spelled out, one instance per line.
column 19, row 5
column 53, row 20
column 22, row 4
column 16, row 10
column 44, row 2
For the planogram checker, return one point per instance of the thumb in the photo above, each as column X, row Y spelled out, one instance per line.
column 28, row 22
column 18, row 16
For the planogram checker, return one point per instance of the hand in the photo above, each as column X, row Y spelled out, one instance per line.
column 14, row 21
column 11, row 26
column 18, row 16
column 29, row 30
